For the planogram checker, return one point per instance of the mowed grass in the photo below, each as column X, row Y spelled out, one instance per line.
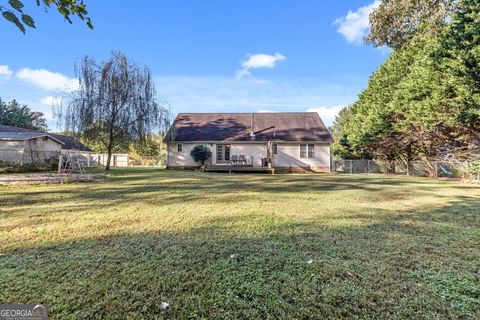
column 221, row 246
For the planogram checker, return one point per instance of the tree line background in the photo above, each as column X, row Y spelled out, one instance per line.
column 423, row 103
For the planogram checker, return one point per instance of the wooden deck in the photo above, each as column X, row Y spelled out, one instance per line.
column 242, row 169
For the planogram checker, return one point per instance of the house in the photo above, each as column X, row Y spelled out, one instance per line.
column 296, row 141
column 28, row 147
column 68, row 142
column 16, row 146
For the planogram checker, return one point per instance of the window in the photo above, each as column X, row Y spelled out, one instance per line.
column 275, row 148
column 311, row 151
column 179, row 147
column 307, row 151
column 227, row 152
column 219, row 152
column 303, row 151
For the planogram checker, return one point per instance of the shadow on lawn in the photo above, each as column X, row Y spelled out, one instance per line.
column 372, row 270
column 160, row 187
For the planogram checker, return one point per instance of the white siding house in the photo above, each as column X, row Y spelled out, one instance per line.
column 284, row 141
column 23, row 148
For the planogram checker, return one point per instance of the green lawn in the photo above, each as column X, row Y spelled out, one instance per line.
column 238, row 246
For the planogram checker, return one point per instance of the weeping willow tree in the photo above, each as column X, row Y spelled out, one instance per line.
column 114, row 104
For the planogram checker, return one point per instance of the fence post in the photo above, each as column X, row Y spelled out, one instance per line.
column 351, row 166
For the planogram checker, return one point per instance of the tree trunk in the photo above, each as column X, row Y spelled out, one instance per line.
column 109, row 154
column 110, row 141
column 391, row 167
column 409, row 160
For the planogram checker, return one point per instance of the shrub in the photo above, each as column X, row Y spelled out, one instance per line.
column 201, row 154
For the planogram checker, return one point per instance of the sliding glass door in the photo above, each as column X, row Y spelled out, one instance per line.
column 223, row 153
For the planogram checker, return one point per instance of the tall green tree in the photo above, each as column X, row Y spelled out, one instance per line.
column 424, row 101
column 457, row 58
column 367, row 129
column 422, row 114
column 17, row 115
column 395, row 22
column 340, row 130
column 14, row 11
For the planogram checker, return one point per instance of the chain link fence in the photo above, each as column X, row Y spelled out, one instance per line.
column 466, row 170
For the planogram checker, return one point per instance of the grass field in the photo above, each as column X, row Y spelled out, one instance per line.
column 243, row 246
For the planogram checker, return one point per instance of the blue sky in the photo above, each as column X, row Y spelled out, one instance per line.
column 206, row 56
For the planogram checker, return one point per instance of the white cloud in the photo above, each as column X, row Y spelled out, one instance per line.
column 354, row 26
column 327, row 114
column 47, row 80
column 259, row 60
column 242, row 73
column 51, row 101
column 5, row 72
column 265, row 111
column 262, row 60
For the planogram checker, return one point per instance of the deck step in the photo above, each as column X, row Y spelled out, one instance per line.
column 231, row 169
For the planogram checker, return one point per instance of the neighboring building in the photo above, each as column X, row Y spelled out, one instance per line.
column 16, row 146
column 28, row 147
column 68, row 143
column 297, row 141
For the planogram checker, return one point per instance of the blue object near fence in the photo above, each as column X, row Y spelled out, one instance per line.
column 446, row 172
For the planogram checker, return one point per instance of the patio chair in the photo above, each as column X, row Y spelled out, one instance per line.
column 242, row 159
column 234, row 159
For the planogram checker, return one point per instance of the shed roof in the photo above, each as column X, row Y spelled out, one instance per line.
column 285, row 126
column 68, row 143
column 22, row 136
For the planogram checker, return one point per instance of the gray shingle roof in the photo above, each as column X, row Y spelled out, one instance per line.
column 22, row 136
column 69, row 143
column 292, row 126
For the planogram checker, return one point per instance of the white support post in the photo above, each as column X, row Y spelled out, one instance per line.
column 60, row 160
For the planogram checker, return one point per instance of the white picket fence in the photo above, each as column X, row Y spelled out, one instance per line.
column 91, row 159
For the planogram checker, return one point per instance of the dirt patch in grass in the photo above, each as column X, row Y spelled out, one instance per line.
column 43, row 178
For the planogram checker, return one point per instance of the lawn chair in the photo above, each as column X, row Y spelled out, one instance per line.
column 234, row 159
column 242, row 160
